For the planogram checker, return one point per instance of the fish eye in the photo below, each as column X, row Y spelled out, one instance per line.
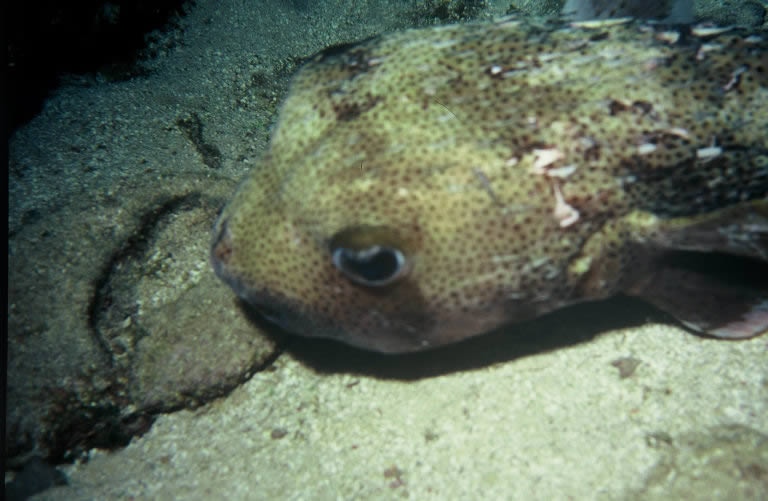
column 375, row 266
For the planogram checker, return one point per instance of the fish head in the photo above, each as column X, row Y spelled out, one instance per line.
column 382, row 229
column 375, row 255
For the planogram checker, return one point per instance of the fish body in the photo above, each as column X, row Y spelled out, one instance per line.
column 429, row 185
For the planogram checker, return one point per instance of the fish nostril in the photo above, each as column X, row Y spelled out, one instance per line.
column 375, row 266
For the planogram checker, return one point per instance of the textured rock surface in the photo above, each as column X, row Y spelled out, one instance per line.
column 534, row 418
column 723, row 462
column 114, row 316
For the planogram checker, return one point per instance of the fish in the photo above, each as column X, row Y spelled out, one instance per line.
column 426, row 186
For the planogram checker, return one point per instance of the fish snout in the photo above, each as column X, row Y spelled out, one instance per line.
column 223, row 260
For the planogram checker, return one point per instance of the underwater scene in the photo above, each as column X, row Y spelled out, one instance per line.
column 424, row 249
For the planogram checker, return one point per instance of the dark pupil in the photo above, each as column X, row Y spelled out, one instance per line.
column 370, row 266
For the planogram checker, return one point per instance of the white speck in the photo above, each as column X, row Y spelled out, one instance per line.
column 548, row 56
column 626, row 180
column 734, row 78
column 708, row 152
column 456, row 188
column 753, row 39
column 495, row 69
column 576, row 45
column 444, row 43
column 679, row 131
column 601, row 23
column 512, row 161
column 703, row 30
column 468, row 54
column 516, row 209
column 508, row 21
column 564, row 213
column 506, row 258
column 646, row 148
column 402, row 192
column 562, row 172
column 652, row 64
column 544, row 158
column 705, row 48
column 668, row 36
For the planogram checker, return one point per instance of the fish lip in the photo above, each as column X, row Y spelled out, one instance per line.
column 221, row 249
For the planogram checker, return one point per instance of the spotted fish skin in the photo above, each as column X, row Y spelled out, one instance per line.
column 429, row 185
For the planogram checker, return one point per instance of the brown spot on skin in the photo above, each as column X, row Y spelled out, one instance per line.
column 347, row 110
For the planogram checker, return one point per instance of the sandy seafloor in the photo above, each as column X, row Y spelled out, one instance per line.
column 607, row 401
column 688, row 424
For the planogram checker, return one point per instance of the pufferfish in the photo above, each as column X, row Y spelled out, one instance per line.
column 430, row 185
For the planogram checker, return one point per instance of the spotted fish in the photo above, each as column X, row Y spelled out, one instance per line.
column 426, row 186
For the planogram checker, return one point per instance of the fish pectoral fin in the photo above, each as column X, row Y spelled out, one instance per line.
column 719, row 295
column 740, row 230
